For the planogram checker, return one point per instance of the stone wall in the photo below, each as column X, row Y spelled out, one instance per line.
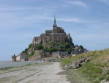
column 37, row 55
column 18, row 58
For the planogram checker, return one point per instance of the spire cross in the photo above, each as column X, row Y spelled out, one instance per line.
column 54, row 25
column 54, row 20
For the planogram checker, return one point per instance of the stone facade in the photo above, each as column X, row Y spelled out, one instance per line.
column 78, row 50
column 14, row 58
column 59, row 54
column 55, row 35
column 21, row 57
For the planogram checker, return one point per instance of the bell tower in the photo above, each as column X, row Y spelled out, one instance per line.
column 54, row 25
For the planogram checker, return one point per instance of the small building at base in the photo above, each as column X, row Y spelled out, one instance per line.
column 21, row 57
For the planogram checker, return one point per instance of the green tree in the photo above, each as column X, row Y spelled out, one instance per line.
column 30, row 46
column 38, row 47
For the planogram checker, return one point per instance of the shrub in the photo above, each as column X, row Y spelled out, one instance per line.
column 50, row 49
column 25, row 51
column 31, row 53
column 81, row 47
column 69, row 50
column 30, row 46
column 38, row 47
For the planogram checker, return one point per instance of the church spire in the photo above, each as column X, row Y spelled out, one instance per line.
column 54, row 25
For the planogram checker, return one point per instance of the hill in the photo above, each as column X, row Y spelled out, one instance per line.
column 52, row 43
column 95, row 70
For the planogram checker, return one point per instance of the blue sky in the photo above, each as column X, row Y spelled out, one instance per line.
column 20, row 20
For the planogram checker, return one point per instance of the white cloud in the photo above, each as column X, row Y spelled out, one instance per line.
column 49, row 18
column 69, row 19
column 78, row 3
column 10, row 8
column 105, row 1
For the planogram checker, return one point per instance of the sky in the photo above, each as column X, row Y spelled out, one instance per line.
column 20, row 20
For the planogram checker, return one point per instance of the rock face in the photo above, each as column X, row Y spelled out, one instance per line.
column 37, row 55
column 56, row 43
column 78, row 63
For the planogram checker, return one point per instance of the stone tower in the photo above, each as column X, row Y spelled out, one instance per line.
column 14, row 58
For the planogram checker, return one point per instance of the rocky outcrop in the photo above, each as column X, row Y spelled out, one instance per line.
column 78, row 63
column 37, row 55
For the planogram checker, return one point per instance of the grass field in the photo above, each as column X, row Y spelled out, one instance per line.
column 95, row 70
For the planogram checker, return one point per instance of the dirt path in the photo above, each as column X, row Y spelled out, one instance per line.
column 45, row 73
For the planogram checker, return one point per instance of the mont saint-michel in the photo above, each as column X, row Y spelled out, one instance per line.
column 53, row 43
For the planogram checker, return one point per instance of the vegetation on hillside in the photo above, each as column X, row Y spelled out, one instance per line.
column 95, row 70
column 50, row 47
column 38, row 47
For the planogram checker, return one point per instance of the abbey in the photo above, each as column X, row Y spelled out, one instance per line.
column 57, row 35
column 53, row 43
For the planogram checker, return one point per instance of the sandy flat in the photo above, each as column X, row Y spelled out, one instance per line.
column 47, row 73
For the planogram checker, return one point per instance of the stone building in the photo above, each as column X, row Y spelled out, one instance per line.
column 55, row 35
column 14, row 58
column 20, row 57
column 78, row 50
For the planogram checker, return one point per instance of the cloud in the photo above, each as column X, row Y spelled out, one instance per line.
column 64, row 19
column 69, row 20
column 77, row 3
column 19, row 8
column 24, row 8
column 34, row 17
column 105, row 1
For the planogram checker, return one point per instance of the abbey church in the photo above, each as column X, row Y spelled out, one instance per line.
column 57, row 35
